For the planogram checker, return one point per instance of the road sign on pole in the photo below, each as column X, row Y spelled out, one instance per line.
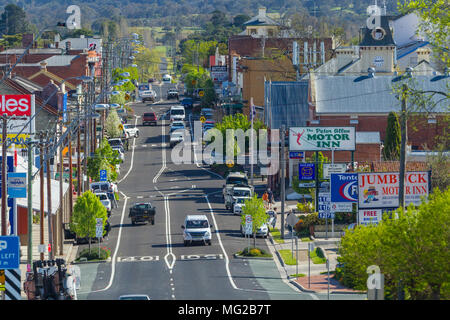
column 103, row 175
column 9, row 252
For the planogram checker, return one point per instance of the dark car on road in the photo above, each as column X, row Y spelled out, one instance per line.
column 187, row 102
column 172, row 94
column 149, row 118
column 142, row 212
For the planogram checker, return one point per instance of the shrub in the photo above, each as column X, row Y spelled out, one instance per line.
column 92, row 254
column 254, row 252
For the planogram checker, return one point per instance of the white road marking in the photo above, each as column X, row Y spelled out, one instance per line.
column 132, row 157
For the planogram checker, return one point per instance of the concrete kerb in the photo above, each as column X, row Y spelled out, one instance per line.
column 253, row 258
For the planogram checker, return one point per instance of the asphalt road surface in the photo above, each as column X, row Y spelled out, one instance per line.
column 152, row 259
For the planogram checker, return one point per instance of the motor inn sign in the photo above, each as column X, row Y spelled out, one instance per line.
column 381, row 189
column 322, row 138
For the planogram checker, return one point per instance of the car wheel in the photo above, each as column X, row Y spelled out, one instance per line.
column 137, row 134
column 209, row 243
column 133, row 222
column 153, row 221
column 185, row 243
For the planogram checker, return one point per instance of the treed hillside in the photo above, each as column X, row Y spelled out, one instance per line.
column 188, row 12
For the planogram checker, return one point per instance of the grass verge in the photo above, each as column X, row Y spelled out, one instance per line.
column 297, row 275
column 316, row 259
column 276, row 235
column 286, row 255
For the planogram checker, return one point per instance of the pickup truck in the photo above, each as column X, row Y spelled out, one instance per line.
column 234, row 178
column 149, row 118
column 142, row 212
column 239, row 190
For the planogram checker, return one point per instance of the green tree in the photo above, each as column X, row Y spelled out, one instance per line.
column 391, row 149
column 14, row 20
column 112, row 124
column 410, row 247
column 435, row 23
column 87, row 209
column 254, row 207
column 105, row 158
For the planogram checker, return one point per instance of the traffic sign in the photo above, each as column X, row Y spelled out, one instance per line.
column 248, row 224
column 2, row 280
column 9, row 252
column 306, row 171
column 201, row 93
column 202, row 119
column 99, row 228
column 103, row 175
column 230, row 163
column 127, row 96
column 296, row 154
column 292, row 220
column 325, row 206
column 329, row 168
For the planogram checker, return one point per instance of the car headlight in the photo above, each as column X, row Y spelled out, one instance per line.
column 207, row 234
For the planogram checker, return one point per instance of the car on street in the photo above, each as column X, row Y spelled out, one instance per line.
column 103, row 197
column 121, row 152
column 131, row 130
column 196, row 228
column 115, row 142
column 177, row 113
column 172, row 94
column 148, row 95
column 176, row 137
column 187, row 102
column 167, row 78
column 238, row 204
column 134, row 297
column 176, row 125
column 262, row 231
column 149, row 118
column 142, row 212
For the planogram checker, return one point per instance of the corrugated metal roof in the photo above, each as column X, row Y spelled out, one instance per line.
column 364, row 95
column 60, row 61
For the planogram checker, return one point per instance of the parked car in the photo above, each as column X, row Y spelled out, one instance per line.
column 121, row 152
column 263, row 231
column 172, row 94
column 103, row 197
column 148, row 95
column 176, row 137
column 238, row 204
column 197, row 228
column 142, row 212
column 187, row 102
column 149, row 118
column 131, row 130
column 167, row 78
column 114, row 142
column 176, row 125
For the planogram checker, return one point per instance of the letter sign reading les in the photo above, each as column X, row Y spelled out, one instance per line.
column 322, row 138
column 381, row 189
column 15, row 105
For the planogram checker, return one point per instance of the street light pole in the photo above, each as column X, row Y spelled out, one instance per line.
column 4, row 177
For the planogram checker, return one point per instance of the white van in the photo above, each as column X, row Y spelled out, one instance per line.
column 196, row 228
column 177, row 113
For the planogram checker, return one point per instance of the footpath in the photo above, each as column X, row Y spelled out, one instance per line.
column 314, row 276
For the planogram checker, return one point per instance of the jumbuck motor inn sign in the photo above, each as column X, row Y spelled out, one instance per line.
column 381, row 189
column 322, row 138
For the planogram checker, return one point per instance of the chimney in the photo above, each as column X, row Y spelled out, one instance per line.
column 44, row 65
column 262, row 12
column 68, row 46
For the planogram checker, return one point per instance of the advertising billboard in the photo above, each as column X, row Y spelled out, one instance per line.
column 322, row 138
column 381, row 189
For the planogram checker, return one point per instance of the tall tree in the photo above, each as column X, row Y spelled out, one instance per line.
column 391, row 149
column 14, row 20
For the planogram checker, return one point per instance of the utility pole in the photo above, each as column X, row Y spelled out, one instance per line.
column 283, row 178
column 86, row 140
column 79, row 183
column 49, row 205
column 59, row 222
column 4, row 177
column 41, row 177
column 69, row 138
column 404, row 137
column 30, row 204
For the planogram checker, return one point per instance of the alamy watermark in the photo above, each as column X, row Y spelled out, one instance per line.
column 229, row 149
column 74, row 20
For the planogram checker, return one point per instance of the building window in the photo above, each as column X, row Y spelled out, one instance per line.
column 270, row 32
column 252, row 31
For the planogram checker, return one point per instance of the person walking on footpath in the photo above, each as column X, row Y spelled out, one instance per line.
column 265, row 198
column 270, row 197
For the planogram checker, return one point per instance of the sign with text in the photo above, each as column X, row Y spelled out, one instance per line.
column 344, row 187
column 103, row 175
column 325, row 206
column 9, row 252
column 329, row 168
column 17, row 184
column 306, row 171
column 381, row 189
column 296, row 154
column 322, row 138
column 21, row 109
column 370, row 216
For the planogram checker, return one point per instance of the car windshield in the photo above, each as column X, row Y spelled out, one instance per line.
column 128, row 126
column 143, row 206
column 102, row 196
column 241, row 193
column 177, row 112
column 103, row 187
column 149, row 114
column 236, row 180
column 192, row 224
column 241, row 200
column 114, row 142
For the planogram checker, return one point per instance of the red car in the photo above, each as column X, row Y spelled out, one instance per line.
column 149, row 118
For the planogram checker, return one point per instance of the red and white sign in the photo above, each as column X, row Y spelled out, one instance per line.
column 15, row 105
column 370, row 216
column 22, row 107
column 381, row 189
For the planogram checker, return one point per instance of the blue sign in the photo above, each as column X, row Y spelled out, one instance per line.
column 296, row 154
column 324, row 208
column 64, row 107
column 306, row 171
column 103, row 175
column 9, row 252
column 17, row 184
column 344, row 187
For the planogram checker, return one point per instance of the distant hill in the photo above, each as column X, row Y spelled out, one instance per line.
column 186, row 12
